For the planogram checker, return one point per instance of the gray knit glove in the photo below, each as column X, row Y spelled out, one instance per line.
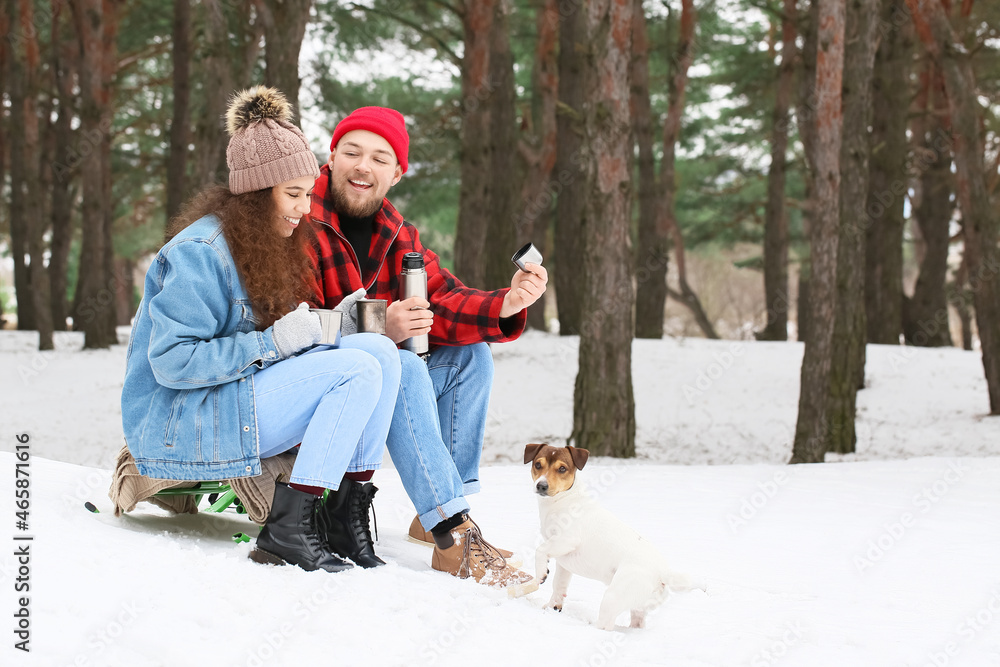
column 296, row 331
column 349, row 307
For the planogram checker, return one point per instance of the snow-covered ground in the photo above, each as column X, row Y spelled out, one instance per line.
column 890, row 557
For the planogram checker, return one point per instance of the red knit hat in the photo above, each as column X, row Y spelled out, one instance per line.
column 386, row 123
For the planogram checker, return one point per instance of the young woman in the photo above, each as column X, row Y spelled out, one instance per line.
column 220, row 370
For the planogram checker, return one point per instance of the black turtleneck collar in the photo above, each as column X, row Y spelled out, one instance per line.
column 358, row 232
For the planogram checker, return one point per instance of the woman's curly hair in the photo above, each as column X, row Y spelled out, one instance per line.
column 276, row 271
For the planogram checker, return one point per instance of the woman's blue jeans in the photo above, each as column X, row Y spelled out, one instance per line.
column 436, row 437
column 337, row 402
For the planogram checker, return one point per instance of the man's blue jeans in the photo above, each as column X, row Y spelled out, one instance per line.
column 436, row 436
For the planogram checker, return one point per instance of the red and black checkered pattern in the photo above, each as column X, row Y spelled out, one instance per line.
column 462, row 315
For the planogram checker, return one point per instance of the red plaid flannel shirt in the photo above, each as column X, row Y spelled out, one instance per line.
column 462, row 315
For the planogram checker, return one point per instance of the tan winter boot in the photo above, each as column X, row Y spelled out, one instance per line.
column 469, row 555
column 418, row 535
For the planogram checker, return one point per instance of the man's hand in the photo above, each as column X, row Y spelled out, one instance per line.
column 402, row 321
column 525, row 288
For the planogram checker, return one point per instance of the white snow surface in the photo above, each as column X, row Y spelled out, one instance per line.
column 890, row 556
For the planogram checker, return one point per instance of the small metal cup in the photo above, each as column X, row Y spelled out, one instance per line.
column 528, row 253
column 330, row 321
column 371, row 315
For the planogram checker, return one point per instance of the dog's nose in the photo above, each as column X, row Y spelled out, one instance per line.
column 542, row 487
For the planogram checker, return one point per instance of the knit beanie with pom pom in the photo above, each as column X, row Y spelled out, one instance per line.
column 265, row 149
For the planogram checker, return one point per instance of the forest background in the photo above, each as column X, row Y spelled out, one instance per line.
column 824, row 170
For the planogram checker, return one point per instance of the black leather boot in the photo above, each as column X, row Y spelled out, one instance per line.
column 344, row 522
column 290, row 534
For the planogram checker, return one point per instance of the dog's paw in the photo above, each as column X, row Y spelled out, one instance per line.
column 520, row 590
column 556, row 602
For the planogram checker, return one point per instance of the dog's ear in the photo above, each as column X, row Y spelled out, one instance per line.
column 580, row 456
column 530, row 451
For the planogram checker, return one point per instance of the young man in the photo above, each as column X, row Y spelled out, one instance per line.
column 436, row 436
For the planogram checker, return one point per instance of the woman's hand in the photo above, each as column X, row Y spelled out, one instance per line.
column 296, row 331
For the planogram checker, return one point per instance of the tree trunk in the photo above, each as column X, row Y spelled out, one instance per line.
column 36, row 210
column 652, row 255
column 247, row 42
column 805, row 114
column 537, row 191
column 474, row 194
column 284, row 29
column 810, row 428
column 94, row 299
column 218, row 83
column 776, row 296
column 63, row 45
column 5, row 34
column 501, row 232
column 962, row 299
column 603, row 405
column 20, row 223
column 24, row 115
column 124, row 290
column 802, row 303
column 109, row 43
column 925, row 321
column 574, row 49
column 847, row 366
column 180, row 131
column 887, row 179
column 979, row 219
column 668, row 179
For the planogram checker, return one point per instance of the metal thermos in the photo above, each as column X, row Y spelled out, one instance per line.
column 413, row 282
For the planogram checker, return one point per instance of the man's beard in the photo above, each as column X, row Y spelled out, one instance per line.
column 343, row 206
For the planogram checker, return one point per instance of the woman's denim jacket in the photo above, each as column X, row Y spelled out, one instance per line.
column 187, row 403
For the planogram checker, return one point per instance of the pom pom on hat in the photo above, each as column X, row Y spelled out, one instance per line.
column 265, row 149
column 254, row 105
column 386, row 123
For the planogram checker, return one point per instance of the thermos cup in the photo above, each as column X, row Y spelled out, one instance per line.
column 528, row 253
column 413, row 282
column 371, row 315
column 329, row 321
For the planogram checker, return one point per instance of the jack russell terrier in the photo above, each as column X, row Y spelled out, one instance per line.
column 588, row 540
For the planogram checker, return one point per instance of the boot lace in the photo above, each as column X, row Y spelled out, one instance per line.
column 485, row 552
column 309, row 512
column 362, row 510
